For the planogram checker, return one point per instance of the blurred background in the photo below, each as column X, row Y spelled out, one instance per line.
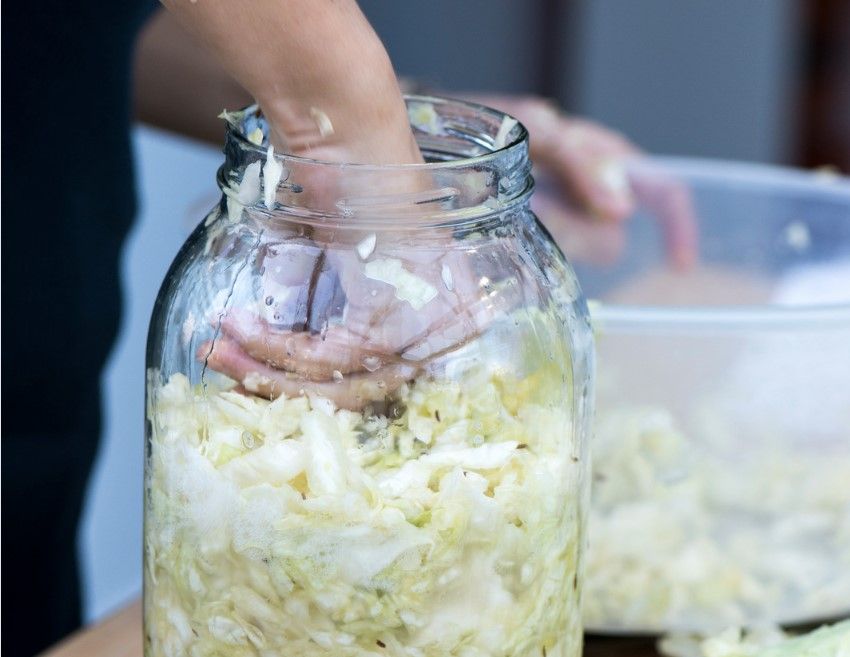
column 755, row 80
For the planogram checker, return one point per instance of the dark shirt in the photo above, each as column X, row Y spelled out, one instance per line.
column 67, row 203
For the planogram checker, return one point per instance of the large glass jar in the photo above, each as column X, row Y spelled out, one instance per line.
column 367, row 406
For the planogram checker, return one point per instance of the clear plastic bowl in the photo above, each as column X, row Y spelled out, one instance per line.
column 721, row 491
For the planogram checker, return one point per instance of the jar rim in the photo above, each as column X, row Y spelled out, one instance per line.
column 476, row 161
column 519, row 135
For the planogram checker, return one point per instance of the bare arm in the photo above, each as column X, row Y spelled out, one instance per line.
column 178, row 85
column 304, row 59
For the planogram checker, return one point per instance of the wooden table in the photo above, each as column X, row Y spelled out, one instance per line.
column 121, row 636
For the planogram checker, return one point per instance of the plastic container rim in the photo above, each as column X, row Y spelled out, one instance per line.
column 781, row 180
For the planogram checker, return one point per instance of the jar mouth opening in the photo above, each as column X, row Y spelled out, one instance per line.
column 493, row 135
column 476, row 166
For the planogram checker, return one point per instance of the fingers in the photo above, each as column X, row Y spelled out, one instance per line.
column 458, row 326
column 580, row 238
column 595, row 165
column 350, row 392
column 667, row 200
column 586, row 158
column 316, row 357
column 670, row 202
column 590, row 162
column 385, row 340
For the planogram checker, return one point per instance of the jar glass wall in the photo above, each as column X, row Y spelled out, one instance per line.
column 367, row 406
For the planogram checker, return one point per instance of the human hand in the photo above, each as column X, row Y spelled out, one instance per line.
column 374, row 325
column 318, row 71
column 328, row 91
column 589, row 180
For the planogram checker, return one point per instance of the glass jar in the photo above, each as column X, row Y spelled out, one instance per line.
column 367, row 408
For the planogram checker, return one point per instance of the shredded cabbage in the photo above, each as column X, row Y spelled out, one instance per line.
column 680, row 537
column 449, row 526
column 408, row 287
column 424, row 117
column 272, row 173
column 826, row 641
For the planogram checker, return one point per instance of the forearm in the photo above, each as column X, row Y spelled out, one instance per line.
column 178, row 85
column 317, row 69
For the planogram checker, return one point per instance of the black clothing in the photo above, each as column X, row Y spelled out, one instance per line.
column 67, row 203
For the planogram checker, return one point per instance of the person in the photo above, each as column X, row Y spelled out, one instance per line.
column 69, row 202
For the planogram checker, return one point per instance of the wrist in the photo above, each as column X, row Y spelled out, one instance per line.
column 358, row 118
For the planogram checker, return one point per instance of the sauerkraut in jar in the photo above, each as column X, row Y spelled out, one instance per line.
column 367, row 406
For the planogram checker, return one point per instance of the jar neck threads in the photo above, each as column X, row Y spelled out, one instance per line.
column 477, row 166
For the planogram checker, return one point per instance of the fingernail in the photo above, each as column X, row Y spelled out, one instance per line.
column 612, row 180
column 683, row 259
column 611, row 174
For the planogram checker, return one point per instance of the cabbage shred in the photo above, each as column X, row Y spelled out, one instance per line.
column 682, row 540
column 448, row 526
